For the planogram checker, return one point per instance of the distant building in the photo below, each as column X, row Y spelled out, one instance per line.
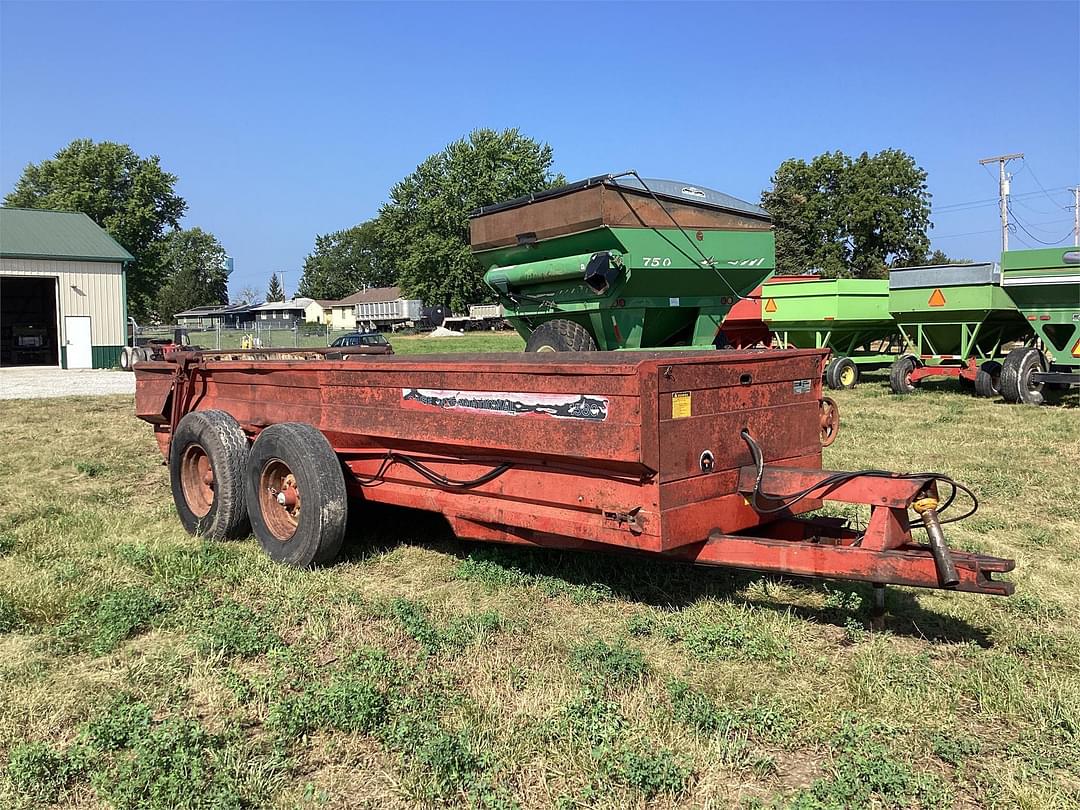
column 63, row 297
column 282, row 314
column 343, row 312
column 199, row 317
column 327, row 305
column 233, row 316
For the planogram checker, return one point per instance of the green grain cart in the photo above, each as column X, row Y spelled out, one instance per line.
column 1045, row 287
column 955, row 320
column 617, row 262
column 848, row 315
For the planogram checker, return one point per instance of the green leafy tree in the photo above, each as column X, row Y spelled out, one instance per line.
column 129, row 196
column 938, row 256
column 275, row 292
column 194, row 264
column 849, row 217
column 344, row 262
column 423, row 231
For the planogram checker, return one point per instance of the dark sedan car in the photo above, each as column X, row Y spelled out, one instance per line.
column 357, row 339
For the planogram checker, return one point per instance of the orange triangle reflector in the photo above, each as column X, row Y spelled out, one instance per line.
column 936, row 299
column 1076, row 349
column 770, row 305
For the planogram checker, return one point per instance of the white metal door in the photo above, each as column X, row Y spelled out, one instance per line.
column 77, row 329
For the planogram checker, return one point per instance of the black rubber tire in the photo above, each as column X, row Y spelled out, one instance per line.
column 324, row 506
column 900, row 373
column 834, row 373
column 988, row 380
column 560, row 335
column 226, row 446
column 125, row 358
column 1016, row 385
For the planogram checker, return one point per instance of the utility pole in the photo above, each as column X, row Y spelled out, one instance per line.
column 281, row 275
column 1076, row 215
column 1003, row 191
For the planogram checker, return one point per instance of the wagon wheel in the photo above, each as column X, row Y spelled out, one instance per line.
column 1016, row 383
column 988, row 379
column 829, row 421
column 900, row 375
column 560, row 335
column 296, row 495
column 841, row 373
column 207, row 456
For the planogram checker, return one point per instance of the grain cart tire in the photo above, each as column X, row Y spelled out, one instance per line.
column 988, row 379
column 207, row 460
column 560, row 335
column 296, row 495
column 841, row 373
column 900, row 375
column 125, row 358
column 1016, row 384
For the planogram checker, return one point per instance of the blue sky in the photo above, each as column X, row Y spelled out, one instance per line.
column 283, row 121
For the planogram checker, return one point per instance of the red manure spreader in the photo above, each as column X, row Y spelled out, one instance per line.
column 711, row 457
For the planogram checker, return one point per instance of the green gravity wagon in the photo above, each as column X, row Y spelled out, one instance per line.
column 618, row 262
column 955, row 319
column 1044, row 284
column 850, row 316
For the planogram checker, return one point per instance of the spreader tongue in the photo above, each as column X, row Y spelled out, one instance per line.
column 926, row 508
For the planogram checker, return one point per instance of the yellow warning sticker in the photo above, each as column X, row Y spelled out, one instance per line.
column 681, row 405
column 770, row 305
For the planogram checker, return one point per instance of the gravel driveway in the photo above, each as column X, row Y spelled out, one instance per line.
column 34, row 383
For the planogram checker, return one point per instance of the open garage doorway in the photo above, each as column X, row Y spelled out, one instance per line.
column 28, row 322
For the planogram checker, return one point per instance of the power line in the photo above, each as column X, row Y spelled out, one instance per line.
column 940, row 209
column 1039, row 184
column 958, row 235
column 1031, row 208
column 1033, row 236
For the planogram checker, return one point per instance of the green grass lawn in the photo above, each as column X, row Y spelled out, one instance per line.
column 142, row 667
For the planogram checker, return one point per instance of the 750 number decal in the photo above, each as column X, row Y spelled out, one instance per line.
column 656, row 261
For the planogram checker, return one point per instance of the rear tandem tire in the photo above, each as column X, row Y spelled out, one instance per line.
column 295, row 461
column 988, row 379
column 560, row 335
column 125, row 358
column 1016, row 384
column 841, row 373
column 207, row 458
column 900, row 375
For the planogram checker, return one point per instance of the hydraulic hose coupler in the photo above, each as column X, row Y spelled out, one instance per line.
column 926, row 508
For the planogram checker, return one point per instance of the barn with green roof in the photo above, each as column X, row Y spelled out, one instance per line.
column 63, row 295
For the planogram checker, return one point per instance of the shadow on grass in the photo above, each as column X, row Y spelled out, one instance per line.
column 664, row 584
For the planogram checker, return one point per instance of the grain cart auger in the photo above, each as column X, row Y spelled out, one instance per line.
column 703, row 456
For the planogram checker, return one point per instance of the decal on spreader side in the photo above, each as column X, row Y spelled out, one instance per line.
column 503, row 403
column 682, row 405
